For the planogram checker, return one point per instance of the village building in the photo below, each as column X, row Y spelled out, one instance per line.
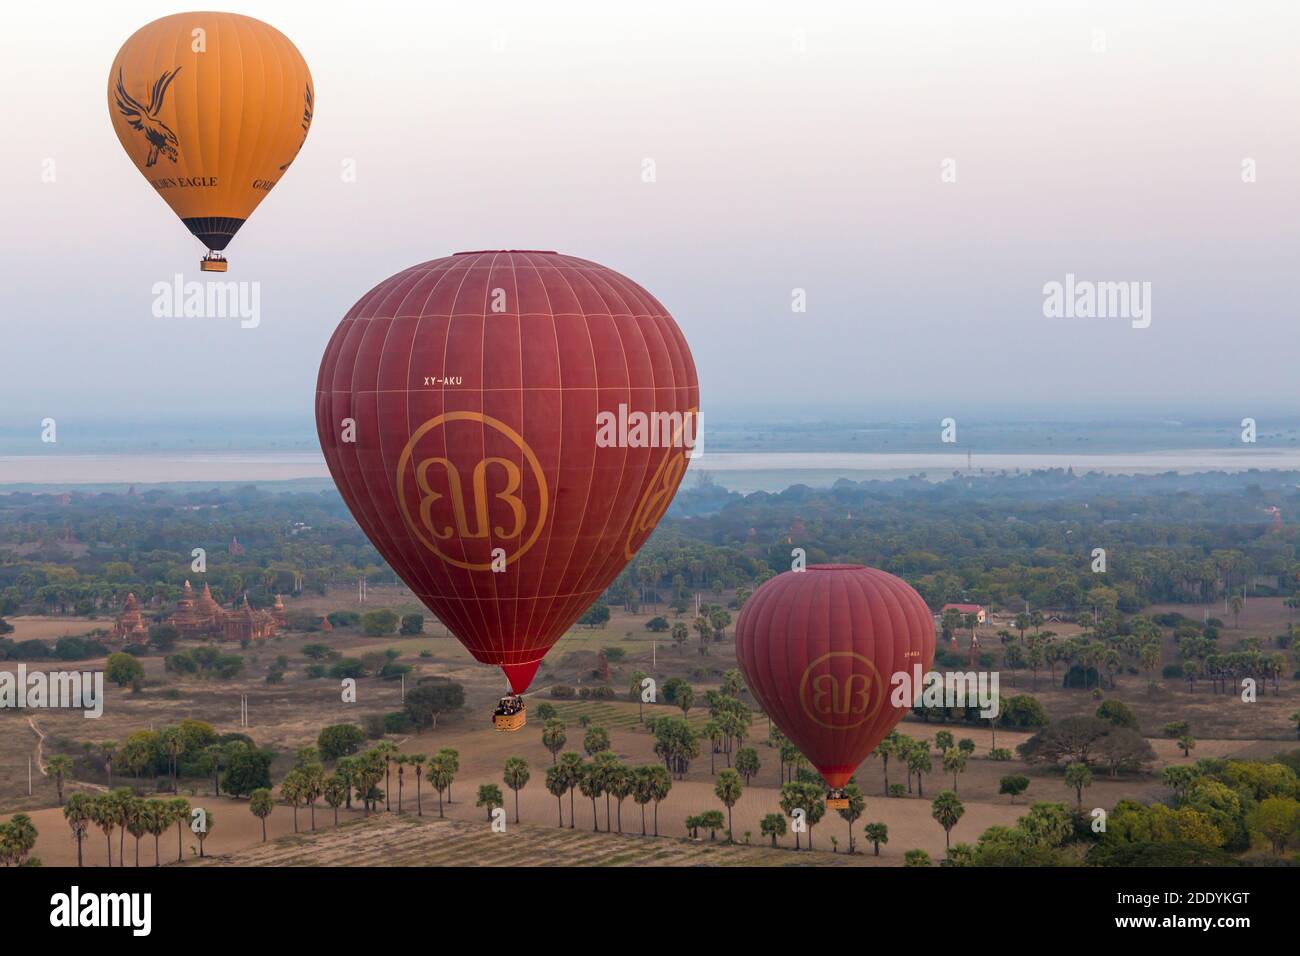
column 981, row 615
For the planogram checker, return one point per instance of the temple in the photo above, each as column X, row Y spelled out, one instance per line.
column 129, row 627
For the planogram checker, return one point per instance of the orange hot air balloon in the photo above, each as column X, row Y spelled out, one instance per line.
column 212, row 108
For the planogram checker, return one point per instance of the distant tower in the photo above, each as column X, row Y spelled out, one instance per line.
column 1277, row 517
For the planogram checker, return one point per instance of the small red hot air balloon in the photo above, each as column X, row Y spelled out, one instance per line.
column 507, row 428
column 818, row 649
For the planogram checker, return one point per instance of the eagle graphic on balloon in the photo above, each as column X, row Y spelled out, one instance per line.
column 456, row 407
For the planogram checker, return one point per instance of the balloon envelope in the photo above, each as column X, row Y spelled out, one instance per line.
column 818, row 648
column 212, row 108
column 473, row 384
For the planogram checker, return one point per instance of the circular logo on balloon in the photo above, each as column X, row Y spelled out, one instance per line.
column 471, row 509
column 841, row 690
column 659, row 493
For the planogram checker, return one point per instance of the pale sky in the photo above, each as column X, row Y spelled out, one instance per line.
column 796, row 145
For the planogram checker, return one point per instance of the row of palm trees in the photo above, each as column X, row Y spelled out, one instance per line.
column 122, row 811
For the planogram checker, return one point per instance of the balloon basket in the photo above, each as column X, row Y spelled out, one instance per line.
column 217, row 264
column 835, row 800
column 510, row 715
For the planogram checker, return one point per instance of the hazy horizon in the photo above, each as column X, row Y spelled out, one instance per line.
column 794, row 148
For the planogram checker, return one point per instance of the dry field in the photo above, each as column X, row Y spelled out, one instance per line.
column 391, row 840
column 287, row 716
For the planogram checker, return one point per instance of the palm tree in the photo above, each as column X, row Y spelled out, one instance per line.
column 103, row 813
column 557, row 784
column 772, row 825
column 205, row 830
column 134, row 812
column 591, row 783
column 336, row 792
column 642, row 791
column 728, row 790
column 292, row 790
column 661, row 781
column 451, row 762
column 1078, row 776
column 78, row 811
column 386, row 748
column 516, row 777
column 180, row 814
column 954, row 762
column 417, row 761
column 572, row 767
column 620, row 782
column 857, row 807
column 260, row 804
column 313, row 785
column 553, row 737
column 60, row 768
column 401, row 760
column 440, row 775
column 947, row 810
column 489, row 796
column 109, row 750
column 876, row 834
column 157, row 820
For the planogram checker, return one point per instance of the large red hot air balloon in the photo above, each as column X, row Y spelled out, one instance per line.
column 457, row 406
column 818, row 649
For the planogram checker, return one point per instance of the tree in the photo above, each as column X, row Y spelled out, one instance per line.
column 857, row 806
column 246, row 770
column 292, row 789
column 591, row 783
column 157, row 818
column 260, row 804
column 553, row 737
column 876, row 834
column 489, row 797
column 1186, row 743
column 440, row 774
column 947, row 810
column 179, row 809
column 620, row 782
column 339, row 740
column 60, row 768
column 685, row 699
column 1013, row 785
column 747, row 763
column 573, row 768
column 772, row 825
column 432, row 697
column 661, row 782
column 516, row 777
column 919, row 761
column 78, row 810
column 335, row 792
column 205, row 830
column 1079, row 777
column 954, row 762
column 412, row 624
column 123, row 669
column 379, row 623
column 916, row 858
column 557, row 784
column 728, row 790
column 1277, row 819
column 103, row 813
column 596, row 740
